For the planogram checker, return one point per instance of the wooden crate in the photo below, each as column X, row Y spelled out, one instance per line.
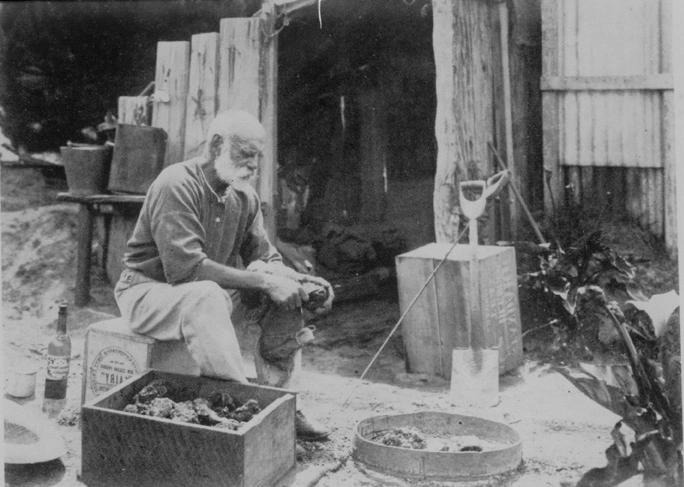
column 114, row 354
column 138, row 158
column 121, row 448
column 438, row 321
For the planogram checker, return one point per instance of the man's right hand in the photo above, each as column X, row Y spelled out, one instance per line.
column 285, row 292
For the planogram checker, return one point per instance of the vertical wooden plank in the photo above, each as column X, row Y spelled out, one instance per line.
column 268, row 114
column 659, row 198
column 553, row 192
column 632, row 192
column 134, row 110
column 588, row 193
column 452, row 309
column 573, row 178
column 644, row 204
column 618, row 188
column 509, row 211
column 238, row 84
column 667, row 133
column 202, row 85
column 171, row 90
column 248, row 72
column 84, row 253
column 650, row 199
column 373, row 129
column 462, row 44
column 417, row 328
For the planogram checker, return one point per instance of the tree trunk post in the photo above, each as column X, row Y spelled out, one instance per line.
column 463, row 40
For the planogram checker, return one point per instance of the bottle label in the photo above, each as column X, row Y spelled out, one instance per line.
column 57, row 367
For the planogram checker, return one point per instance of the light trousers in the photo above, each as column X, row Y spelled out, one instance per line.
column 203, row 314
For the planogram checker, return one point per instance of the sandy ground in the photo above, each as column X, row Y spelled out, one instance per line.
column 563, row 433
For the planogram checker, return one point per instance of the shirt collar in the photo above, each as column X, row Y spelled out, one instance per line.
column 217, row 187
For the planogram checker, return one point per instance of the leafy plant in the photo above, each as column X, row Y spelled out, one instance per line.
column 645, row 392
column 556, row 287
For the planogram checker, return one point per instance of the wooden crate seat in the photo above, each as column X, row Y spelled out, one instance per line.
column 114, row 353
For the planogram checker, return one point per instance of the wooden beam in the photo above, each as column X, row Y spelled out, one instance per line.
column 268, row 114
column 463, row 46
column 553, row 191
column 238, row 84
column 202, row 91
column 595, row 83
column 508, row 118
column 670, row 156
column 373, row 130
column 289, row 7
column 171, row 90
column 248, row 71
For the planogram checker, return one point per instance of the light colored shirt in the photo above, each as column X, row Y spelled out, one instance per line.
column 185, row 220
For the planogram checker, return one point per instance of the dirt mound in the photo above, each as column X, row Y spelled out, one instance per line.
column 38, row 261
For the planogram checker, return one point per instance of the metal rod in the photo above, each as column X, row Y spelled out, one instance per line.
column 408, row 308
column 535, row 227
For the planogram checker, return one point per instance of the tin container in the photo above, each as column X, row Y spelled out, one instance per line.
column 21, row 380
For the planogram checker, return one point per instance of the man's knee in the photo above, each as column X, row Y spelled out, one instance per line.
column 203, row 293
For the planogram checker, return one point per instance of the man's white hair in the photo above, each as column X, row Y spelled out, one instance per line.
column 234, row 124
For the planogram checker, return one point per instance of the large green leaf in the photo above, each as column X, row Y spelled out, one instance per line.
column 607, row 385
column 659, row 308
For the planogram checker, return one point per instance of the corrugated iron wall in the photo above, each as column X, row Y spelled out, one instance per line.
column 607, row 95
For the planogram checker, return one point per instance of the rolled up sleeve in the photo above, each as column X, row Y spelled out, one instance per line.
column 257, row 245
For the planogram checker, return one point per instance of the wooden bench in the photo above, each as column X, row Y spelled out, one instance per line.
column 90, row 207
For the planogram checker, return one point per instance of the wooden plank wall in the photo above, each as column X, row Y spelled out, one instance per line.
column 465, row 120
column 202, row 91
column 170, row 93
column 607, row 84
column 134, row 110
column 234, row 68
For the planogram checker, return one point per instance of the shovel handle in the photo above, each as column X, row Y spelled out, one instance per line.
column 473, row 208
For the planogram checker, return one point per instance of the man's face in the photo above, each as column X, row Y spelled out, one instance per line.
column 238, row 163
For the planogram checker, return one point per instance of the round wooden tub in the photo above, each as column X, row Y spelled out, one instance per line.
column 504, row 451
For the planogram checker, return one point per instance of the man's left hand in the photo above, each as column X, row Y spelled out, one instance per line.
column 327, row 304
column 284, row 271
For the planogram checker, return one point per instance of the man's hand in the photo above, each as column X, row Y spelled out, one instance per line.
column 281, row 271
column 327, row 305
column 285, row 292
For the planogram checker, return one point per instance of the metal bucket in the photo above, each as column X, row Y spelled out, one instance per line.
column 87, row 168
column 21, row 380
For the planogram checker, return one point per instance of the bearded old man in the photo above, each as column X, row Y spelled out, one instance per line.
column 199, row 260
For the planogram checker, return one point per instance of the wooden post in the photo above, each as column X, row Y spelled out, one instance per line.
column 668, row 124
column 202, row 96
column 268, row 114
column 553, row 196
column 463, row 43
column 170, row 93
column 134, row 110
column 238, row 84
column 248, row 81
column 85, row 242
column 508, row 119
column 373, row 155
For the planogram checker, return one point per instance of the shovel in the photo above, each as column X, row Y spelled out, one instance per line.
column 475, row 369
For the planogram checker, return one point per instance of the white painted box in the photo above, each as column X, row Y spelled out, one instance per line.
column 440, row 319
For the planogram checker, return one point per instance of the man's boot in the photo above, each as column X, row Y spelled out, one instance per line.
column 278, row 361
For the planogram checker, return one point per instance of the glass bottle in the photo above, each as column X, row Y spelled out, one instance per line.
column 58, row 361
